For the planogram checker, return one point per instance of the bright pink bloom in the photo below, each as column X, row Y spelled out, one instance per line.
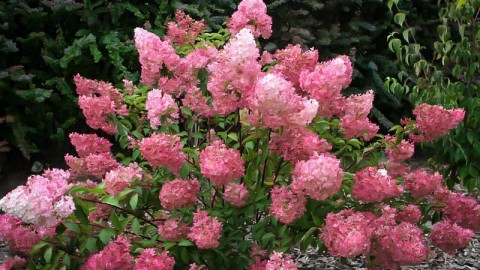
column 21, row 237
column 449, row 237
column 76, row 166
column 354, row 120
column 179, row 193
column 116, row 255
column 287, row 205
column 251, row 14
column 236, row 194
column 96, row 111
column 291, row 61
column 163, row 150
column 153, row 54
column 173, row 230
column 411, row 214
column 149, row 259
column 277, row 261
column 277, row 104
column 13, row 263
column 395, row 246
column 86, row 144
column 184, row 29
column 374, row 185
column 41, row 201
column 119, row 179
column 234, row 73
column 326, row 81
column 347, row 233
column 221, row 164
column 396, row 169
column 298, row 144
column 99, row 164
column 434, row 121
column 159, row 104
column 398, row 152
column 197, row 102
column 422, row 184
column 463, row 210
column 206, row 231
column 319, row 177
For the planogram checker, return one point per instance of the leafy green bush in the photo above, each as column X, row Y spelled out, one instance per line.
column 444, row 71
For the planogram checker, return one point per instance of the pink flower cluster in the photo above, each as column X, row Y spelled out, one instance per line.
column 98, row 164
column 173, row 229
column 422, row 184
column 292, row 62
column 319, row 177
column 277, row 261
column 149, row 259
column 236, row 194
column 354, row 121
column 121, row 178
column 347, row 233
column 434, row 121
column 287, row 205
column 221, row 164
column 87, row 144
column 411, row 214
column 298, row 144
column 398, row 152
column 277, row 104
column 41, row 201
column 462, row 210
column 13, row 263
column 179, row 193
column 251, row 14
column 98, row 101
column 449, row 237
column 163, row 150
column 21, row 237
column 206, row 231
column 374, row 185
column 159, row 104
column 325, row 82
column 116, row 255
column 184, row 29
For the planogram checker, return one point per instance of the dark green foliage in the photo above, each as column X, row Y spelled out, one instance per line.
column 445, row 71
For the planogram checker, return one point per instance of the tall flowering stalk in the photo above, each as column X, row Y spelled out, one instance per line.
column 222, row 153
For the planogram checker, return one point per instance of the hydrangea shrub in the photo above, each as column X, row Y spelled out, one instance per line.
column 228, row 158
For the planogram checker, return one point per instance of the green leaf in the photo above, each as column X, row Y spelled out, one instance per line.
column 184, row 170
column 38, row 247
column 105, row 236
column 185, row 243
column 48, row 254
column 136, row 226
column 72, row 226
column 460, row 3
column 91, row 244
column 107, row 199
column 134, row 201
column 399, row 18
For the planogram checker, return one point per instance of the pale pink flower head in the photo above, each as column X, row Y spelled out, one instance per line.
column 280, row 261
column 462, row 210
column 153, row 54
column 236, row 194
column 411, row 214
column 86, row 144
column 396, row 246
column 374, row 185
column 347, row 233
column 41, row 201
column 359, row 106
column 291, row 61
column 99, row 164
column 115, row 255
column 287, row 204
column 184, row 29
column 398, row 152
column 206, row 231
column 159, row 104
column 277, row 104
column 318, row 177
column 197, row 102
column 163, row 150
column 326, row 81
column 149, row 259
column 296, row 144
column 179, row 193
column 221, row 164
column 449, row 236
column 422, row 184
column 434, row 121
column 251, row 14
column 117, row 180
column 173, row 229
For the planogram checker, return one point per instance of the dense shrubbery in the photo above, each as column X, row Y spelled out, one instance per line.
column 444, row 71
column 228, row 157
